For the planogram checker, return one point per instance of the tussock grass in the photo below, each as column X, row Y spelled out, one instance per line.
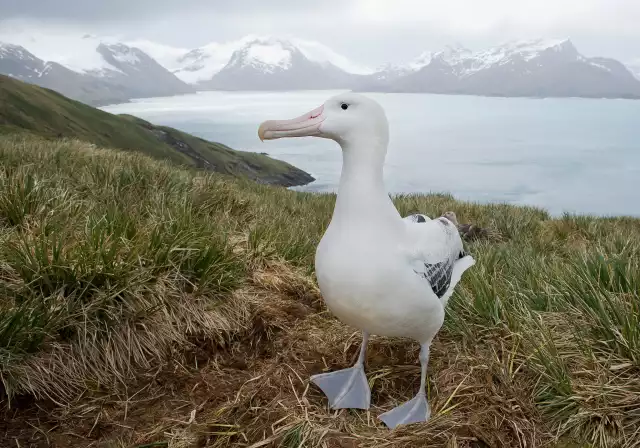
column 119, row 272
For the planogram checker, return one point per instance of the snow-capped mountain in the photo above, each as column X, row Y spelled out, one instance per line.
column 101, row 69
column 389, row 73
column 266, row 54
column 89, row 69
column 138, row 72
column 524, row 68
column 201, row 64
column 279, row 64
column 17, row 62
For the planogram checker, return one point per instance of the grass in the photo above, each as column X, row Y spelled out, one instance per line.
column 35, row 110
column 146, row 305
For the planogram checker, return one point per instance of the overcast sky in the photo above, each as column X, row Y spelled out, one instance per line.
column 370, row 31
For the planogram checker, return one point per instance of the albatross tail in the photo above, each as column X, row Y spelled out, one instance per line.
column 459, row 268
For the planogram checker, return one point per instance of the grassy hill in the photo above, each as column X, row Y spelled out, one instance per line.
column 25, row 107
column 146, row 305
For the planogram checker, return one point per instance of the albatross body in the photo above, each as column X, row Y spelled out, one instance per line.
column 378, row 272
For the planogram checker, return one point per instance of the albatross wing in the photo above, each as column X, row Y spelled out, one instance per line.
column 437, row 254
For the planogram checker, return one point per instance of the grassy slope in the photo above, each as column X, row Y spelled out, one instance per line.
column 25, row 107
column 110, row 262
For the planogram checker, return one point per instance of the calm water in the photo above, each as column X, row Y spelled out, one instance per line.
column 574, row 155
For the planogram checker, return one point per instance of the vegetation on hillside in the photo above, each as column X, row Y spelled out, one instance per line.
column 26, row 107
column 146, row 305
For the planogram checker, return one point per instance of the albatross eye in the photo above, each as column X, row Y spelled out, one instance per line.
column 344, row 106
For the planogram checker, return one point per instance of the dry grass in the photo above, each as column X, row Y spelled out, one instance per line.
column 149, row 306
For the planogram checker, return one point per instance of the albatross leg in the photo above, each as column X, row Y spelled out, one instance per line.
column 347, row 388
column 417, row 409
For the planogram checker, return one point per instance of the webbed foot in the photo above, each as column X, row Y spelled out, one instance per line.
column 415, row 410
column 346, row 388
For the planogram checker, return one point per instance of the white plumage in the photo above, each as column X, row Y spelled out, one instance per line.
column 377, row 271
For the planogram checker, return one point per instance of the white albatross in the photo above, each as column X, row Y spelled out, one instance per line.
column 378, row 272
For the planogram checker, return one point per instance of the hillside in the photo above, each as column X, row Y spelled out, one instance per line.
column 150, row 306
column 25, row 107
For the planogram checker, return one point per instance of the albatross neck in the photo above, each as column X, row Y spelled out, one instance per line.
column 362, row 190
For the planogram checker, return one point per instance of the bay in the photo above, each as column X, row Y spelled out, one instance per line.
column 563, row 154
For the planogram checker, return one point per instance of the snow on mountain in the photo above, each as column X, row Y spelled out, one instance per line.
column 634, row 67
column 467, row 62
column 93, row 68
column 199, row 64
column 139, row 73
column 75, row 52
column 88, row 68
column 419, row 62
column 271, row 63
column 526, row 50
column 126, row 55
column 267, row 55
column 18, row 63
column 7, row 49
column 318, row 52
column 390, row 72
column 518, row 68
column 166, row 55
column 269, row 52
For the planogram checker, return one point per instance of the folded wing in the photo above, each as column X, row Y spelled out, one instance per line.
column 437, row 254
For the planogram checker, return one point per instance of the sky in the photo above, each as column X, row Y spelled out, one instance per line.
column 369, row 31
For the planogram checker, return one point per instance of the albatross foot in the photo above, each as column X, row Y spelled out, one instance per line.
column 346, row 388
column 413, row 411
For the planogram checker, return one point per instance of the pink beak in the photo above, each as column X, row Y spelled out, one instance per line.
column 303, row 126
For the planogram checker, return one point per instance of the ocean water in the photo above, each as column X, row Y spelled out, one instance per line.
column 565, row 155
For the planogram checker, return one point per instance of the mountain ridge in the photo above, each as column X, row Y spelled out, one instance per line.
column 112, row 73
column 535, row 68
column 118, row 71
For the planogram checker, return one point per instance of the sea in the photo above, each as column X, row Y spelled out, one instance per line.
column 566, row 155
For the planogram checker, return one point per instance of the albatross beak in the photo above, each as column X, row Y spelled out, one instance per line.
column 305, row 125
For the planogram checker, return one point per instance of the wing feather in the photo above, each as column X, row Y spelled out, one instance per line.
column 436, row 251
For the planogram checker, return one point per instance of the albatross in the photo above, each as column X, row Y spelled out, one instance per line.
column 377, row 271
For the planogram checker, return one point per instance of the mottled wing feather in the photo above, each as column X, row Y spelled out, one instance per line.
column 438, row 269
column 439, row 276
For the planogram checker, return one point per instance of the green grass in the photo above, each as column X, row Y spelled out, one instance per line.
column 28, row 108
column 109, row 262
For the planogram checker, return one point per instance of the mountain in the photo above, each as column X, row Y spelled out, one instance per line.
column 277, row 64
column 138, row 73
column 99, row 70
column 537, row 68
column 18, row 63
column 34, row 110
column 634, row 68
column 92, row 71
column 387, row 74
column 258, row 62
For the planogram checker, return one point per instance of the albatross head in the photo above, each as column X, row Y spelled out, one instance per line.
column 349, row 118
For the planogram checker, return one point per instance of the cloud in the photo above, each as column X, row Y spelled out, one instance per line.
column 471, row 17
column 461, row 17
column 85, row 11
column 369, row 31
